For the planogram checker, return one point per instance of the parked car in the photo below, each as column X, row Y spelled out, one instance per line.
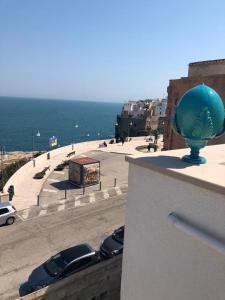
column 41, row 174
column 59, row 167
column 62, row 166
column 59, row 266
column 113, row 244
column 7, row 213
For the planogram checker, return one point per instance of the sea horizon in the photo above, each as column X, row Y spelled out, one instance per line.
column 62, row 99
column 70, row 121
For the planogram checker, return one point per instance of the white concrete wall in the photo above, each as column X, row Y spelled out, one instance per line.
column 160, row 262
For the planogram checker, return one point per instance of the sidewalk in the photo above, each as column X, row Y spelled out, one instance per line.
column 27, row 189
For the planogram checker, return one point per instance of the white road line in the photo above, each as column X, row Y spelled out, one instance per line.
column 92, row 197
column 45, row 206
column 25, row 214
column 62, row 201
column 59, row 172
column 118, row 190
column 49, row 190
column 53, row 180
column 105, row 194
column 62, row 205
column 19, row 217
column 43, row 212
column 78, row 203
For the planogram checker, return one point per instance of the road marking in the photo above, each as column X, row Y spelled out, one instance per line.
column 105, row 194
column 19, row 217
column 44, row 206
column 25, row 214
column 62, row 201
column 53, row 180
column 49, row 190
column 78, row 203
column 43, row 212
column 92, row 197
column 118, row 190
column 62, row 205
column 59, row 172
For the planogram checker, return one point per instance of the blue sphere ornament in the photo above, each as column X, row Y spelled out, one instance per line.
column 199, row 116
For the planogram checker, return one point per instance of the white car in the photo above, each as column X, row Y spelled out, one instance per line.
column 7, row 213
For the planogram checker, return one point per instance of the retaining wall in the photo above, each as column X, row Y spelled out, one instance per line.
column 98, row 282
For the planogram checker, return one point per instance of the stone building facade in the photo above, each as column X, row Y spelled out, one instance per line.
column 212, row 73
column 140, row 117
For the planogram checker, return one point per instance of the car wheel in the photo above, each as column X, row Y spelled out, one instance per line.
column 10, row 221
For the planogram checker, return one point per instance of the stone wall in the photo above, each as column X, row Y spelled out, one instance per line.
column 175, row 90
column 98, row 282
column 124, row 129
column 207, row 68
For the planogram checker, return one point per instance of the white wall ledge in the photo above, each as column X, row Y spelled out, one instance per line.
column 209, row 176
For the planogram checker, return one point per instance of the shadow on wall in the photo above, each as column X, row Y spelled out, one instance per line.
column 166, row 161
column 101, row 281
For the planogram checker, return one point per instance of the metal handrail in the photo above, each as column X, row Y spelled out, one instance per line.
column 197, row 233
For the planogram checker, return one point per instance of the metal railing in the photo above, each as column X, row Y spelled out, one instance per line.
column 197, row 233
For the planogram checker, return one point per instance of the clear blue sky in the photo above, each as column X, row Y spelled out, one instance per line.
column 104, row 49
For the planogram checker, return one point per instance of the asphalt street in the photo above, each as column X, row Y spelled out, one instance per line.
column 112, row 165
column 25, row 245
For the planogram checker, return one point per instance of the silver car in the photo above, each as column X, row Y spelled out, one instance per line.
column 7, row 213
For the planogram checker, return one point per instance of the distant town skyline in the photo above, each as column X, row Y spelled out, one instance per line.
column 104, row 51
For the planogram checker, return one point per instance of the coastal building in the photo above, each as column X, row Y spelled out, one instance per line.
column 140, row 117
column 174, row 241
column 210, row 72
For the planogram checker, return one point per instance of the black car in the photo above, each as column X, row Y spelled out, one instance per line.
column 113, row 245
column 60, row 167
column 59, row 266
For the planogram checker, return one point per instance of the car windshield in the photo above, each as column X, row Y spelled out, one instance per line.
column 55, row 265
column 118, row 235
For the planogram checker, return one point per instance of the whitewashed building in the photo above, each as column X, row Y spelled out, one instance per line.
column 174, row 247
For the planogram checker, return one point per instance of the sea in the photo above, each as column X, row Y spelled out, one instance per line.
column 27, row 122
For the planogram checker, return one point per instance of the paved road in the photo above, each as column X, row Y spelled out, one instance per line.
column 112, row 165
column 70, row 203
column 25, row 245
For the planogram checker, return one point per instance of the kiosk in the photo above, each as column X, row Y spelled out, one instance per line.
column 84, row 171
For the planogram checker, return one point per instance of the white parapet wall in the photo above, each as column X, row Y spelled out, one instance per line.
column 178, row 256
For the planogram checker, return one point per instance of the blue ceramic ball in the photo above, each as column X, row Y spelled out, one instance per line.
column 200, row 113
